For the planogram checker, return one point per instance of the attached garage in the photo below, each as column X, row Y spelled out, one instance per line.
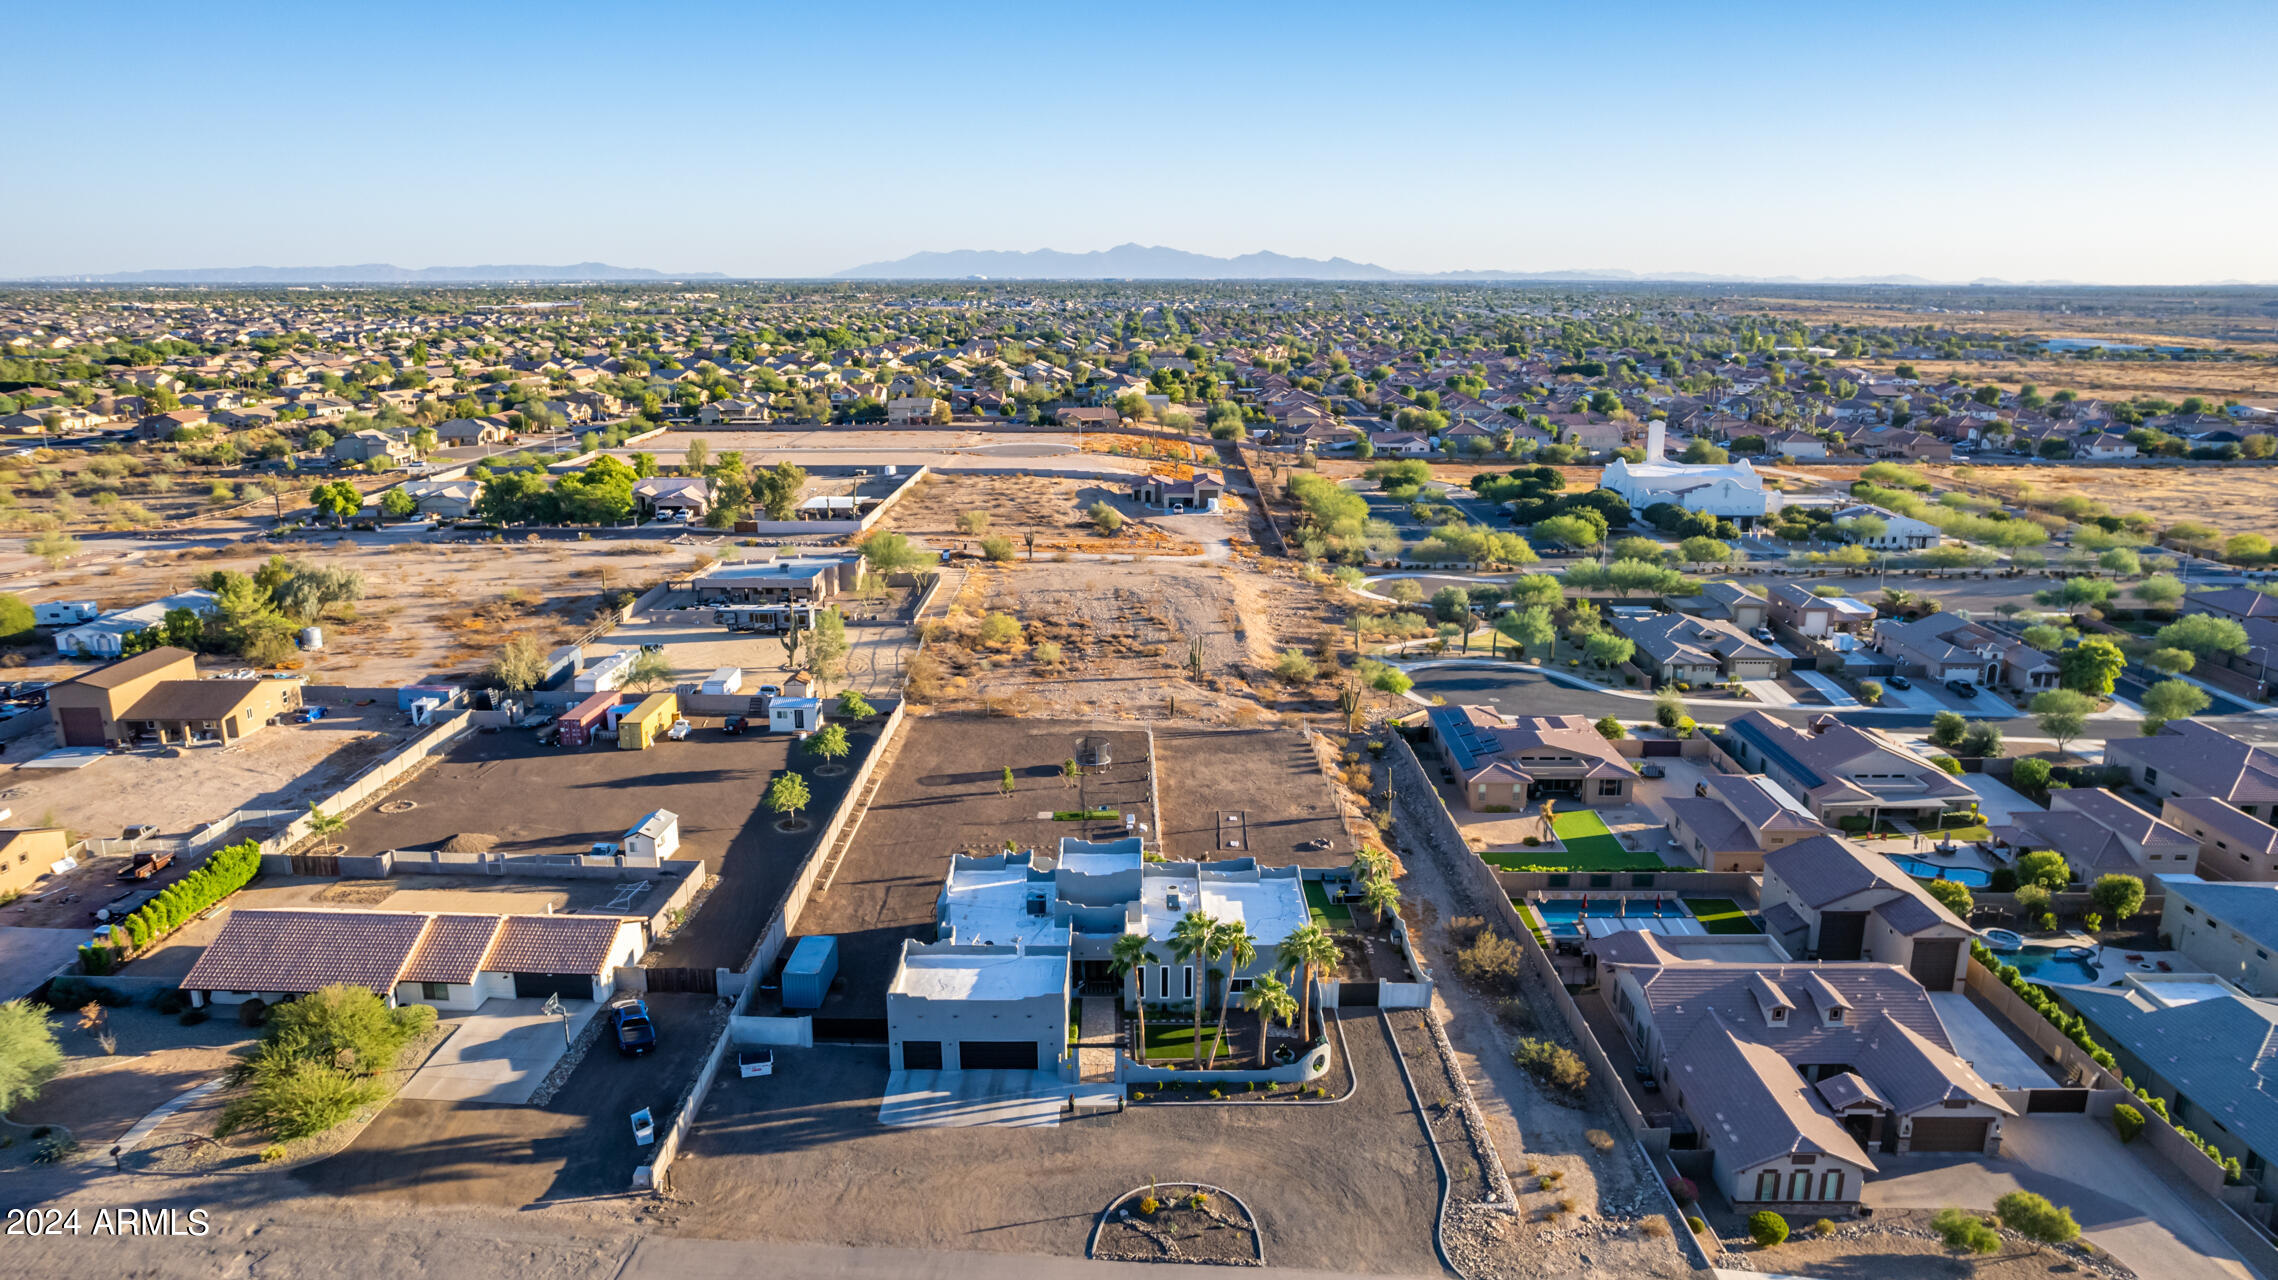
column 1842, row 934
column 1949, row 1133
column 569, row 986
column 79, row 727
column 1936, row 962
column 996, row 1055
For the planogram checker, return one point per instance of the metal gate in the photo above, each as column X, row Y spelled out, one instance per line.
column 316, row 864
column 1356, row 995
column 1661, row 746
column 2056, row 1101
column 699, row 982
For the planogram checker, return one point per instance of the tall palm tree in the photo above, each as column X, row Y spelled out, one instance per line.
column 1241, row 950
column 1271, row 1001
column 1129, row 956
column 1309, row 951
column 1193, row 939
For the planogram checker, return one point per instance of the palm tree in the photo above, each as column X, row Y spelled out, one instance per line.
column 1380, row 896
column 1130, row 955
column 324, row 825
column 1241, row 950
column 1192, row 939
column 1270, row 1000
column 1309, row 951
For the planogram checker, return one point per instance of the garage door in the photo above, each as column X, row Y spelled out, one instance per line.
column 569, row 986
column 1936, row 962
column 997, row 1055
column 79, row 727
column 1948, row 1133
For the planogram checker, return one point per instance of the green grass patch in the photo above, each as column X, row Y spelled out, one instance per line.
column 1084, row 815
column 1964, row 835
column 1720, row 915
column 1590, row 846
column 1177, row 1040
column 1327, row 914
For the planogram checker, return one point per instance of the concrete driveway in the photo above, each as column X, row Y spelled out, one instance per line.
column 957, row 1099
column 2127, row 1203
column 499, row 1053
column 1981, row 1044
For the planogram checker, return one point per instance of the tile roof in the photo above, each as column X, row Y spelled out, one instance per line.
column 2204, row 759
column 452, row 950
column 553, row 944
column 301, row 951
column 2220, row 1053
column 2247, row 906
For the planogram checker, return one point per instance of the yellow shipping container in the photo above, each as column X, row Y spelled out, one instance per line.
column 644, row 723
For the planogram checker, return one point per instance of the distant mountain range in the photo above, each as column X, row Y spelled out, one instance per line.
column 385, row 273
column 1152, row 262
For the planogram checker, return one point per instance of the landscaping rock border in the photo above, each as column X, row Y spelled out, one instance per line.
column 1168, row 1248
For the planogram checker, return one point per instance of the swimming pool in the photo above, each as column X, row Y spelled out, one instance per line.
column 1562, row 917
column 1920, row 870
column 2053, row 966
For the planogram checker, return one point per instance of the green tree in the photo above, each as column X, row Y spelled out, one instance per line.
column 398, row 504
column 1194, row 940
column 2160, row 590
column 53, row 547
column 829, row 742
column 890, row 553
column 1767, row 1228
column 2117, row 895
column 15, row 618
column 2034, row 1218
column 29, row 1057
column 1947, row 728
column 2031, row 774
column 1105, row 517
column 1531, row 629
column 788, row 794
column 1131, row 954
column 2203, row 634
column 2172, row 662
column 1005, row 785
column 2171, row 700
column 1272, row 1002
column 854, row 706
column 1239, row 950
column 2046, row 868
column 1608, row 650
column 693, row 458
column 2062, row 714
column 827, row 648
column 1952, row 895
column 2091, row 666
column 336, row 499
column 521, row 664
column 1309, row 952
column 2042, row 636
column 650, row 669
column 777, row 491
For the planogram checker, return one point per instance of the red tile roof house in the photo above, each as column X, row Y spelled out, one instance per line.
column 407, row 957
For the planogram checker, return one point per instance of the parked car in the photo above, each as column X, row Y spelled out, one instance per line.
column 732, row 725
column 146, row 864
column 1764, row 634
column 630, row 1019
column 1898, row 682
column 1961, row 688
column 679, row 731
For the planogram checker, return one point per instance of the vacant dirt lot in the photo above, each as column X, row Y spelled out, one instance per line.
column 2232, row 499
column 1054, row 509
column 1268, row 776
column 800, row 1156
column 429, row 607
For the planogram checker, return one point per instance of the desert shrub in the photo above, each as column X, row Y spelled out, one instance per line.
column 1148, row 1205
column 1490, row 959
column 998, row 549
column 1823, row 1228
column 2034, row 1218
column 1294, row 668
column 1683, row 1190
column 272, row 1153
column 1965, row 1232
column 1552, row 1064
column 1698, row 1224
column 1767, row 1228
column 1654, row 1228
column 1600, row 1139
column 320, row 1062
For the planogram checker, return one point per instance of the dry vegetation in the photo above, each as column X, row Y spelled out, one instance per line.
column 942, row 513
column 2232, row 499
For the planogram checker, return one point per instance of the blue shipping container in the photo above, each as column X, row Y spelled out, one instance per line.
column 807, row 978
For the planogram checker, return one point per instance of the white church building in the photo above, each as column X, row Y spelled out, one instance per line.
column 1731, row 490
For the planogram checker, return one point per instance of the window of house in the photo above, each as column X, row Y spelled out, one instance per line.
column 1831, row 1185
column 1239, row 985
column 1799, row 1185
column 1609, row 786
column 435, row 990
column 1141, row 974
column 1163, row 984
column 2151, row 777
column 1189, row 971
column 1768, row 1185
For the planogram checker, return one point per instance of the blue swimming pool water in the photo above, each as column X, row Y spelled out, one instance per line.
column 2052, row 965
column 1921, row 870
column 1562, row 917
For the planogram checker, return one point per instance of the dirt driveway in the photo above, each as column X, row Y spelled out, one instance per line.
column 800, row 1156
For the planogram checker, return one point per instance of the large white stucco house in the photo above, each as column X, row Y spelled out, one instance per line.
column 1731, row 490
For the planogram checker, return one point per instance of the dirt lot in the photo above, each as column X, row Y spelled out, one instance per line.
column 485, row 786
column 429, row 607
column 1270, row 776
column 941, row 797
column 801, row 1156
column 1050, row 507
column 2232, row 499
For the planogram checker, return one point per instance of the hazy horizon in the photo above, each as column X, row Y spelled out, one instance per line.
column 1952, row 142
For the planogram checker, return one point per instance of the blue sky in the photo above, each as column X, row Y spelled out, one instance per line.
column 2117, row 143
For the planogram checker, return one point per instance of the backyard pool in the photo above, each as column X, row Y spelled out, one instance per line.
column 2056, row 966
column 1920, row 870
column 1562, row 917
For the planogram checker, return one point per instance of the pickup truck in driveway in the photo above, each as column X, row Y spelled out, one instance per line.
column 147, row 864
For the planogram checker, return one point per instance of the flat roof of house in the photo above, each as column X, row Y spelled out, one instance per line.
column 998, row 974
